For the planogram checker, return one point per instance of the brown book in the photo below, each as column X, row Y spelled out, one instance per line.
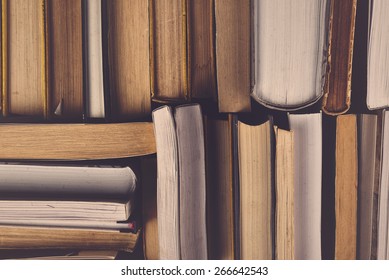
column 182, row 49
column 60, row 238
column 255, row 174
column 65, row 58
column 346, row 184
column 23, row 58
column 233, row 54
column 284, row 185
column 149, row 208
column 220, row 222
column 76, row 141
column 128, row 37
column 337, row 96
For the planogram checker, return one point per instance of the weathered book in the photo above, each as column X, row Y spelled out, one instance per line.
column 337, row 97
column 307, row 130
column 378, row 55
column 346, row 188
column 65, row 59
column 127, row 35
column 284, row 187
column 285, row 34
column 233, row 54
column 24, row 89
column 76, row 141
column 182, row 50
column 256, row 188
column 181, row 181
column 220, row 189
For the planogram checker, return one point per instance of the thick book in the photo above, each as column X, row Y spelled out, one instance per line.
column 220, row 189
column 64, row 50
column 285, row 34
column 284, row 189
column 337, row 97
column 24, row 90
column 76, row 141
column 181, row 189
column 377, row 55
column 233, row 54
column 307, row 130
column 256, row 189
column 182, row 50
column 127, row 37
column 346, row 188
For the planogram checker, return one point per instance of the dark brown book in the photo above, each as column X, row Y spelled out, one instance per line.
column 233, row 54
column 128, row 37
column 337, row 95
column 65, row 58
column 23, row 58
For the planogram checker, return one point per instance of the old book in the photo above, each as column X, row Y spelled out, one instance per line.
column 181, row 183
column 337, row 98
column 377, row 55
column 76, row 141
column 149, row 207
column 233, row 54
column 65, row 59
column 220, row 192
column 368, row 179
column 346, row 188
column 58, row 254
column 94, row 66
column 285, row 34
column 182, row 49
column 256, row 188
column 307, row 131
column 66, row 196
column 24, row 89
column 284, row 188
column 59, row 238
column 128, row 53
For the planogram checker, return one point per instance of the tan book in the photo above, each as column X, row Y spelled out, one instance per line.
column 76, row 141
column 220, row 223
column 284, row 185
column 149, row 208
column 128, row 51
column 233, row 54
column 65, row 58
column 59, row 238
column 23, row 58
column 255, row 174
column 182, row 49
column 337, row 98
column 346, row 188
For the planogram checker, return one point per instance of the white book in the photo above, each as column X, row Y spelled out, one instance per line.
column 307, row 130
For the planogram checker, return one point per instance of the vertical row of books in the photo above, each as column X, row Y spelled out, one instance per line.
column 192, row 129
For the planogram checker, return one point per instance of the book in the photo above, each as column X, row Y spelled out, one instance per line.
column 24, row 89
column 233, row 55
column 337, row 98
column 220, row 189
column 182, row 50
column 285, row 34
column 346, row 188
column 369, row 154
column 93, row 60
column 181, row 189
column 58, row 254
column 377, row 53
column 76, row 141
column 307, row 132
column 256, row 188
column 65, row 75
column 128, row 51
column 284, row 189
